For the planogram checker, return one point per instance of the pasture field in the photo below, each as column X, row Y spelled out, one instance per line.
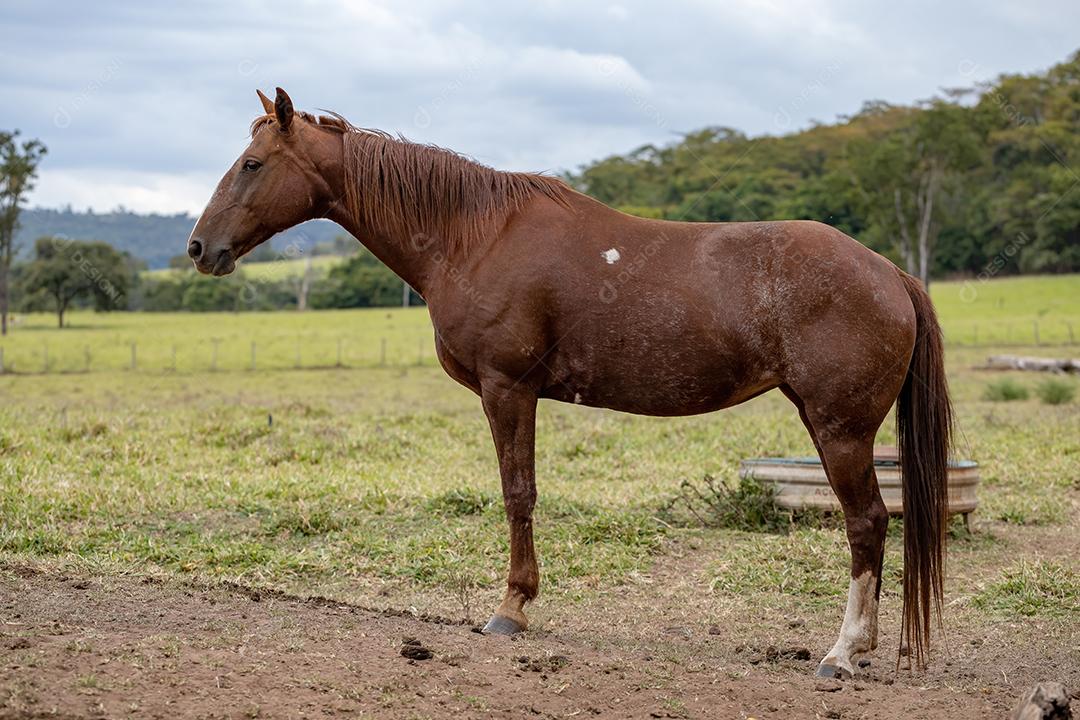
column 1006, row 311
column 201, row 342
column 996, row 313
column 279, row 269
column 188, row 495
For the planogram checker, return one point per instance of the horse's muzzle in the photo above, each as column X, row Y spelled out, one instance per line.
column 224, row 264
column 207, row 261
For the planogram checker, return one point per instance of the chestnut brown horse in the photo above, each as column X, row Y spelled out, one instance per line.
column 537, row 291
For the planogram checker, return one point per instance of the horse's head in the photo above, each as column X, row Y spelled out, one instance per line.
column 275, row 183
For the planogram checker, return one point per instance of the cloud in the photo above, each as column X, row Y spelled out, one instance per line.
column 138, row 191
column 146, row 104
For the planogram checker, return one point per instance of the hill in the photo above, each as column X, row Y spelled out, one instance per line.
column 150, row 238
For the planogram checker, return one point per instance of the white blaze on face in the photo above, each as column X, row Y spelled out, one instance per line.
column 611, row 256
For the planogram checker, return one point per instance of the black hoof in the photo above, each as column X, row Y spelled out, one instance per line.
column 499, row 625
column 832, row 671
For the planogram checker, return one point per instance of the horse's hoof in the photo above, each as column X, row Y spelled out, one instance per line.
column 833, row 671
column 501, row 625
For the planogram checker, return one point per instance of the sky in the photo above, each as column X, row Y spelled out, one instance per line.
column 144, row 105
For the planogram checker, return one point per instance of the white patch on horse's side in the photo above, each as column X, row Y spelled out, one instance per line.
column 611, row 256
column 577, row 398
column 858, row 633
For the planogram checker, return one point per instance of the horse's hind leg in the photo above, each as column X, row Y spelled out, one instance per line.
column 849, row 464
column 847, row 453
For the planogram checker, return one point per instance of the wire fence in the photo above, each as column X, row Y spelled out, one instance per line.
column 400, row 350
column 218, row 355
column 1036, row 333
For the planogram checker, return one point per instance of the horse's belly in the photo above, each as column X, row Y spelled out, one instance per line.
column 629, row 400
column 684, row 378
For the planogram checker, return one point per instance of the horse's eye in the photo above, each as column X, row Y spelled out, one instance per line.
column 252, row 165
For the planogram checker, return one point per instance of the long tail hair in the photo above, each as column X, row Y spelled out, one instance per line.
column 923, row 430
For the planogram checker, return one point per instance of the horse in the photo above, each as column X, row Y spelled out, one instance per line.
column 538, row 291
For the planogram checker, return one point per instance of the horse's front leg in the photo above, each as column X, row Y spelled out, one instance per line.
column 511, row 411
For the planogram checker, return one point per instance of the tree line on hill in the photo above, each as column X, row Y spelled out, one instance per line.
column 152, row 238
column 981, row 181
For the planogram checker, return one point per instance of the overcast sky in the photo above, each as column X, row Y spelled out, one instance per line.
column 146, row 106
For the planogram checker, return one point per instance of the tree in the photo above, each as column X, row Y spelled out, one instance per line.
column 18, row 168
column 360, row 281
column 905, row 164
column 65, row 271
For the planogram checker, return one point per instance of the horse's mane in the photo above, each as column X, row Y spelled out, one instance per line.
column 424, row 192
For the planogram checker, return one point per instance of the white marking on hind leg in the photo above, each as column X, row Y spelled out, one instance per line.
column 858, row 633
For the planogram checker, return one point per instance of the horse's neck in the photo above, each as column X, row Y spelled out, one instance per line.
column 412, row 261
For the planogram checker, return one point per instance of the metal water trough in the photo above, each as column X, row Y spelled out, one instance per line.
column 800, row 482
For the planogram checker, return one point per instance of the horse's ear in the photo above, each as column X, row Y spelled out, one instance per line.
column 268, row 104
column 283, row 109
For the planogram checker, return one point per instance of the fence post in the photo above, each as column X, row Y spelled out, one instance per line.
column 134, row 362
column 252, row 354
column 298, row 353
column 339, row 352
column 382, row 351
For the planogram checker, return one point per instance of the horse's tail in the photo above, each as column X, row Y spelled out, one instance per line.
column 923, row 432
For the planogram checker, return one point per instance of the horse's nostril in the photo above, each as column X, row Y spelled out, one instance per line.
column 194, row 249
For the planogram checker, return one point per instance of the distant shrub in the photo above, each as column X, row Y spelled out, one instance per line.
column 1005, row 390
column 751, row 505
column 1055, row 392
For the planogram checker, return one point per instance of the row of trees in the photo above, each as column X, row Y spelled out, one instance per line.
column 359, row 280
column 64, row 274
column 950, row 186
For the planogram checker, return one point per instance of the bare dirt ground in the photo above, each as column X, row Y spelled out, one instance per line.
column 129, row 647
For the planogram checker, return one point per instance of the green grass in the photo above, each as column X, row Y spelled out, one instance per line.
column 1005, row 311
column 381, row 482
column 1005, row 390
column 1056, row 392
column 282, row 340
column 378, row 474
column 1033, row 588
column 809, row 564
